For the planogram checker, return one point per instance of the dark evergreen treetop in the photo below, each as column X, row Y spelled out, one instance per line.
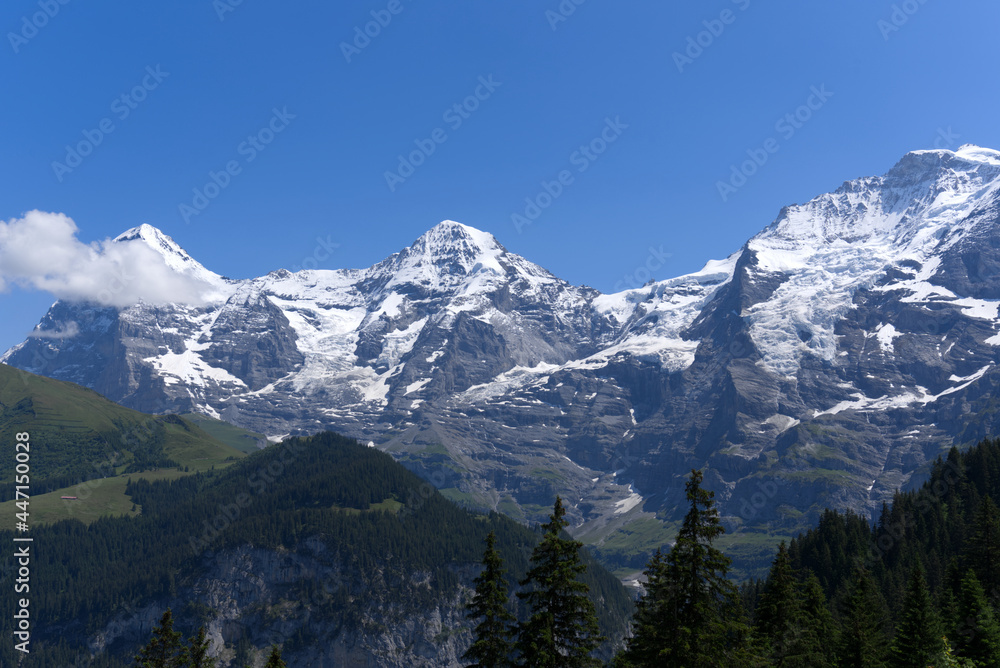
column 691, row 614
column 274, row 660
column 562, row 629
column 919, row 636
column 164, row 649
column 492, row 646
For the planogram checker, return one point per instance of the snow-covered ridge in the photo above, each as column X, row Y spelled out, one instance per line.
column 824, row 251
column 841, row 242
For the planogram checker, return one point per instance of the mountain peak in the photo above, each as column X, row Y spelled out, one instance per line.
column 453, row 256
column 918, row 166
column 173, row 255
column 145, row 232
column 449, row 236
column 455, row 247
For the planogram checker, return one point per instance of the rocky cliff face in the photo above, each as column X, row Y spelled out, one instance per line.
column 823, row 364
column 319, row 612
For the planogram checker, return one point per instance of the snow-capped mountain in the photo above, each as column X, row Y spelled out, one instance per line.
column 823, row 364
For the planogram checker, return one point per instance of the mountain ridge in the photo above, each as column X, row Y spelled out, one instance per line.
column 811, row 357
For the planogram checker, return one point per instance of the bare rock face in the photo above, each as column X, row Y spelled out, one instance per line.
column 320, row 613
column 824, row 364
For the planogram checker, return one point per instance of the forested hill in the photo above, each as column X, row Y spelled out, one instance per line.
column 929, row 568
column 948, row 522
column 324, row 546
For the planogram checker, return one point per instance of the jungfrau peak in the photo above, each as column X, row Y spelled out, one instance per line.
column 823, row 364
column 842, row 242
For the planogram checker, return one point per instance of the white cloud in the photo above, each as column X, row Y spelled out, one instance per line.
column 62, row 331
column 41, row 251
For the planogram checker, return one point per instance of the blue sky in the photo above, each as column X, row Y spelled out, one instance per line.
column 201, row 78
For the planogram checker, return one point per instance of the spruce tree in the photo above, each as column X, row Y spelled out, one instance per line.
column 164, row 649
column 819, row 632
column 863, row 641
column 274, row 660
column 198, row 651
column 648, row 633
column 779, row 613
column 792, row 618
column 947, row 659
column 562, row 629
column 919, row 633
column 690, row 615
column 978, row 633
column 493, row 646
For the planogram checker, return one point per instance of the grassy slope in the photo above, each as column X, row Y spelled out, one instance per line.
column 74, row 429
column 241, row 439
column 101, row 497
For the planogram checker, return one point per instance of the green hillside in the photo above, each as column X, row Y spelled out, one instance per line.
column 76, row 435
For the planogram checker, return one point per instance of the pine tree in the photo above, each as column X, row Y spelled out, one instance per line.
column 690, row 615
column 978, row 633
column 274, row 660
column 918, row 636
column 792, row 618
column 819, row 632
column 562, row 630
column 164, row 649
column 493, row 646
column 198, row 651
column 863, row 638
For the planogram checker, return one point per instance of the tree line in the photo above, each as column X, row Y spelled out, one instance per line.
column 166, row 649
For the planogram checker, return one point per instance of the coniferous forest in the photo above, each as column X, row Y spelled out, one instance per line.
column 919, row 588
